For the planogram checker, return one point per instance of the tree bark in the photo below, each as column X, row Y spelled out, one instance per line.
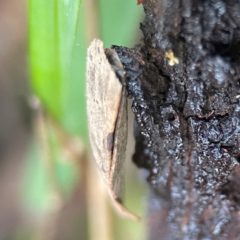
column 184, row 81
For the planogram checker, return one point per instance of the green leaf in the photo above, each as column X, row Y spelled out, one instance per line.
column 48, row 172
column 120, row 20
column 52, row 36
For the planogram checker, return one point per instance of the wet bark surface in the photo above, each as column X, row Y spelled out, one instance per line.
column 184, row 79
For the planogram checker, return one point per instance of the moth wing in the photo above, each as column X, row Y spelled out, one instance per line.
column 103, row 99
column 107, row 121
column 116, row 178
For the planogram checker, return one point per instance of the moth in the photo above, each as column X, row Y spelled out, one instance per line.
column 107, row 118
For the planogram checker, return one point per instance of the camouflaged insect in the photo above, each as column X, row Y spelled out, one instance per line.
column 107, row 117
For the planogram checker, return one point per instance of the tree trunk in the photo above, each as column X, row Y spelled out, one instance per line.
column 184, row 81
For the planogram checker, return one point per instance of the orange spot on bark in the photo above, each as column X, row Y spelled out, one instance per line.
column 139, row 2
column 225, row 150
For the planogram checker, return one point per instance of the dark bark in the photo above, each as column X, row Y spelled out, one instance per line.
column 187, row 116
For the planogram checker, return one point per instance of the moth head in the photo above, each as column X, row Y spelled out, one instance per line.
column 116, row 64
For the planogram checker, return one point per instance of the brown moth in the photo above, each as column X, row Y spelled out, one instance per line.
column 107, row 118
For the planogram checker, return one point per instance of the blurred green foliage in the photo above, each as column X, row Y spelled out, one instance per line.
column 59, row 33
